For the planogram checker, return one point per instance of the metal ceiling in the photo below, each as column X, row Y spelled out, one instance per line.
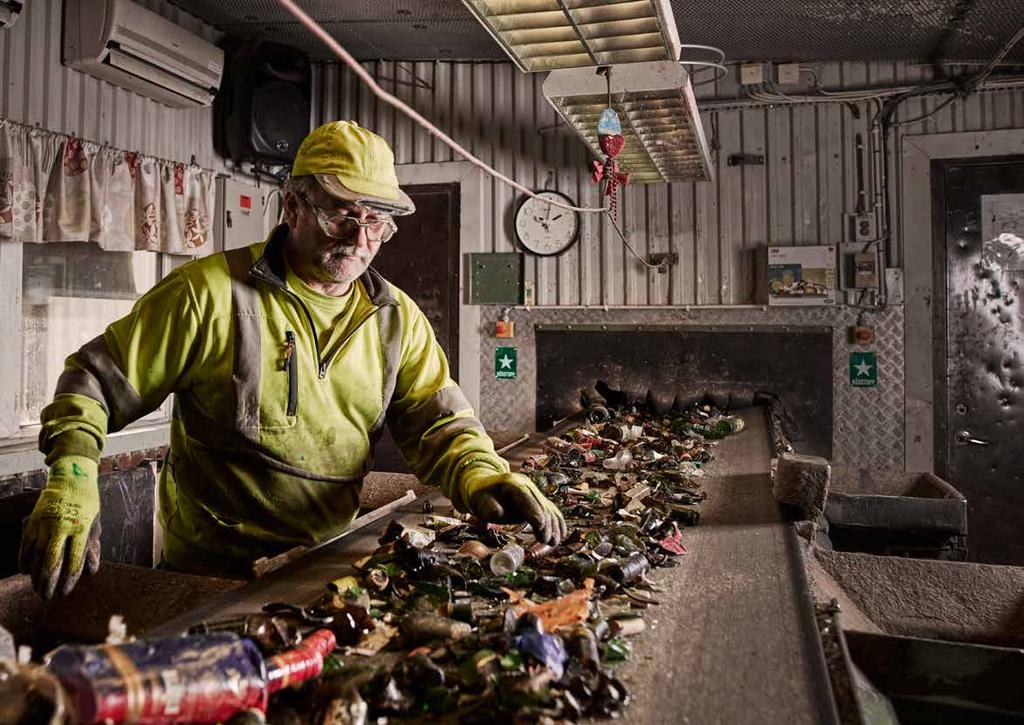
column 542, row 35
column 808, row 30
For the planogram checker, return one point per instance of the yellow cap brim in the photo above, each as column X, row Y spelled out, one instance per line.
column 361, row 191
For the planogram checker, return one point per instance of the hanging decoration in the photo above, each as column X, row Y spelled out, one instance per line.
column 611, row 141
column 59, row 188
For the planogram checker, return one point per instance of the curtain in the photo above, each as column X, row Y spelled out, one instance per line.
column 58, row 188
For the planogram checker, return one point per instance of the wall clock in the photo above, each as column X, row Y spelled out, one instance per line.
column 543, row 229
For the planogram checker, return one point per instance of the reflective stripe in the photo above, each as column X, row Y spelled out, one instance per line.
column 390, row 324
column 101, row 379
column 442, row 404
column 434, row 444
column 82, row 382
column 246, row 370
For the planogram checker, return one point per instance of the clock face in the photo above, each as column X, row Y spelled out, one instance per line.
column 544, row 229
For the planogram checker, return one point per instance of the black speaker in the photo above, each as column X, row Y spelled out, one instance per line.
column 263, row 107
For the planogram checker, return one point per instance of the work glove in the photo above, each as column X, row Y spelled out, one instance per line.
column 61, row 536
column 509, row 498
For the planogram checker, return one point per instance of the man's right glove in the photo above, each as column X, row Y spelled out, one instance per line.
column 509, row 498
column 61, row 536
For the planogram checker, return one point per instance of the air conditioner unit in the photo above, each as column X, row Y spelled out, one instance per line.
column 135, row 48
column 9, row 10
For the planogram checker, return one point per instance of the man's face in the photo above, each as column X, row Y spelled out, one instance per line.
column 331, row 260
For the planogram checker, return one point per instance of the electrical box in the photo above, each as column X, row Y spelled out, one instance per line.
column 788, row 74
column 241, row 220
column 751, row 74
column 860, row 267
column 798, row 275
column 865, row 270
column 496, row 278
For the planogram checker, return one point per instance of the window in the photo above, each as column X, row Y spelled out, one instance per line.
column 54, row 297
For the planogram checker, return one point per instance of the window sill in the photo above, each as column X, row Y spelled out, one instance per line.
column 20, row 456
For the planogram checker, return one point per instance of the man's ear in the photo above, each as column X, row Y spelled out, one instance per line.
column 291, row 208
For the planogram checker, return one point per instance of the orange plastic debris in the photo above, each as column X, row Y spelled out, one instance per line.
column 567, row 611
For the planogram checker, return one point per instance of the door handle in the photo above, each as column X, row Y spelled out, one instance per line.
column 964, row 438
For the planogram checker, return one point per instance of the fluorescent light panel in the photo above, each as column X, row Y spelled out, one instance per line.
column 542, row 35
column 664, row 137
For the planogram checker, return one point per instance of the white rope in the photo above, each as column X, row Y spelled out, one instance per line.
column 391, row 100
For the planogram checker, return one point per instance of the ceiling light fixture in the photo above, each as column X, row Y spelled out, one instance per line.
column 542, row 35
column 664, row 137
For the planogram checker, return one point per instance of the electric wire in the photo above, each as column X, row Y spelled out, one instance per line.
column 929, row 114
column 632, row 251
column 314, row 27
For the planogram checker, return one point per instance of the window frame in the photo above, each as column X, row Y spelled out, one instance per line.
column 18, row 443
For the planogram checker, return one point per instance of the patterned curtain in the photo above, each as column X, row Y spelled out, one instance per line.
column 57, row 188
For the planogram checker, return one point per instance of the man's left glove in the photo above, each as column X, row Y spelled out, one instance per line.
column 61, row 536
column 508, row 498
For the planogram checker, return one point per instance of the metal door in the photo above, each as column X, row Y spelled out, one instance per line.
column 422, row 259
column 980, row 349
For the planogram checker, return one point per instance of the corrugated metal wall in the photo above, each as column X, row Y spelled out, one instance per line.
column 798, row 196
column 36, row 89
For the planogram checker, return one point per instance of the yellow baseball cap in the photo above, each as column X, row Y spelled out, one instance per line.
column 353, row 164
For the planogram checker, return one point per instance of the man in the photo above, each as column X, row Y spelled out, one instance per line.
column 286, row 358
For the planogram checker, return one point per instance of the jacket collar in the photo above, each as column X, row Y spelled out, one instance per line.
column 272, row 269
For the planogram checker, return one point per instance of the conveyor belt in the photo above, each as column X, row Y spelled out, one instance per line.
column 733, row 640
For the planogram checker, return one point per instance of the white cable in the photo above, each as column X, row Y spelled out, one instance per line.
column 707, row 64
column 718, row 51
column 391, row 100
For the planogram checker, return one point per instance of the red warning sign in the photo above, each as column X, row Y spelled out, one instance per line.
column 245, row 203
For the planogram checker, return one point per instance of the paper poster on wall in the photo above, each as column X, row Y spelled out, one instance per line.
column 801, row 275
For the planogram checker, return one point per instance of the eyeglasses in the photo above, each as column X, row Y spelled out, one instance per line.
column 340, row 225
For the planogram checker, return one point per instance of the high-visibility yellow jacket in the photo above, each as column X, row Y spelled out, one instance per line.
column 270, row 436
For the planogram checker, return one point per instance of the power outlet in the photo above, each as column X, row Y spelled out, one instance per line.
column 751, row 74
column 865, row 227
column 861, row 227
column 788, row 74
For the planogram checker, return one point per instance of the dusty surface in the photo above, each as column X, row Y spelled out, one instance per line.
column 145, row 597
column 826, row 589
column 939, row 599
column 382, row 488
column 727, row 644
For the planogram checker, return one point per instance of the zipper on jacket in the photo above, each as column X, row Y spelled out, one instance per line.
column 324, row 360
column 292, row 369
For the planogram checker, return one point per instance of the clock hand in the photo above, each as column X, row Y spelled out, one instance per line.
column 557, row 217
